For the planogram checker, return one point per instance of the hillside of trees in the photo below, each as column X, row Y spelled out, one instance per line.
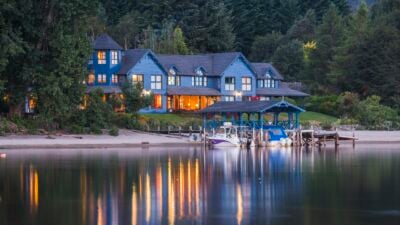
column 328, row 45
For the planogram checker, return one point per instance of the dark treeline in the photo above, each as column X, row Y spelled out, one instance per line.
column 328, row 45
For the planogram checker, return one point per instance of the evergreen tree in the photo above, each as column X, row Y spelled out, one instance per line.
column 329, row 36
column 179, row 44
column 304, row 28
column 288, row 59
column 263, row 47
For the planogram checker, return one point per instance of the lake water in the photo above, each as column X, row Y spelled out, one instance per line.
column 196, row 186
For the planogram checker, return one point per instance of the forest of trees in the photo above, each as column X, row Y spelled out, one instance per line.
column 328, row 45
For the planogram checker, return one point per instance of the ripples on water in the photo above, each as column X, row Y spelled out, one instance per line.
column 195, row 186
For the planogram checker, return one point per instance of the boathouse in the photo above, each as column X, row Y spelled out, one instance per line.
column 252, row 114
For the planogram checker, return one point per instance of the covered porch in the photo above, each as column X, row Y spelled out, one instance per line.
column 254, row 114
column 191, row 99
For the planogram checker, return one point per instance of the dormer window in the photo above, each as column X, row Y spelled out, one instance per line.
column 268, row 75
column 114, row 57
column 199, row 72
column 173, row 79
column 101, row 57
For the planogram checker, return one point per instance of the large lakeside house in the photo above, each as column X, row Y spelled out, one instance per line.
column 183, row 82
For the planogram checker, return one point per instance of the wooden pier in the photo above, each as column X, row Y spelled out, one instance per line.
column 320, row 138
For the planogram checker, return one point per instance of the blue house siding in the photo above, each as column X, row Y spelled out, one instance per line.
column 147, row 66
column 215, row 67
column 106, row 68
column 238, row 69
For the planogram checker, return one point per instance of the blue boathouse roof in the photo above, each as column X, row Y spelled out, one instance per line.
column 105, row 42
column 252, row 107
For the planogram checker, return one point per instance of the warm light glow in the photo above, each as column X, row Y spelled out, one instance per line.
column 148, row 198
column 238, row 93
column 159, row 189
column 171, row 195
column 134, row 206
column 146, row 92
column 157, row 102
column 101, row 216
column 181, row 189
column 33, row 189
column 91, row 78
column 239, row 214
column 197, row 187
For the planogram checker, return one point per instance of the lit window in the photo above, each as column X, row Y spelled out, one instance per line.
column 263, row 98
column 91, row 78
column 156, row 82
column 229, row 98
column 114, row 57
column 101, row 57
column 114, row 78
column 199, row 72
column 101, row 78
column 157, row 102
column 229, row 83
column 137, row 79
column 246, row 84
column 199, row 81
column 171, row 80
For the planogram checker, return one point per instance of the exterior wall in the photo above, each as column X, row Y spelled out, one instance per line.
column 147, row 66
column 214, row 82
column 107, row 68
column 238, row 69
column 186, row 81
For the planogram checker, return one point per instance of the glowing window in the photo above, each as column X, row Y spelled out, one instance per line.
column 114, row 57
column 137, row 79
column 157, row 102
column 101, row 78
column 91, row 78
column 101, row 57
column 114, row 78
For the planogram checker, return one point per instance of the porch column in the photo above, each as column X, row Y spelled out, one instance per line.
column 204, row 120
column 276, row 116
column 289, row 120
column 233, row 118
column 199, row 102
column 223, row 117
column 297, row 120
column 240, row 119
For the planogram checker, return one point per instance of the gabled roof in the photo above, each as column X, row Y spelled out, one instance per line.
column 214, row 64
column 262, row 68
column 131, row 58
column 252, row 107
column 105, row 42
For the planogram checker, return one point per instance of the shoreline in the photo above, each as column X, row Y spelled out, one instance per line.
column 134, row 139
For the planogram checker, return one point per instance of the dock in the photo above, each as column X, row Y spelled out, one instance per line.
column 319, row 137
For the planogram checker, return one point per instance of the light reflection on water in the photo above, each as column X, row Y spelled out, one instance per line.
column 196, row 186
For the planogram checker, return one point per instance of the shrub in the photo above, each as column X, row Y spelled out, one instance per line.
column 113, row 131
column 373, row 115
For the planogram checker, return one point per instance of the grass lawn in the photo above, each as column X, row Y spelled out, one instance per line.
column 184, row 118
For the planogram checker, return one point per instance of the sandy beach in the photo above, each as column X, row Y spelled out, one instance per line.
column 128, row 138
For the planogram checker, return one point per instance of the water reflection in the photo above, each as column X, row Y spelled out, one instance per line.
column 194, row 186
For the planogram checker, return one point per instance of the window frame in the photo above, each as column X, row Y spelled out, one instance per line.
column 101, row 57
column 246, row 86
column 114, row 78
column 136, row 81
column 156, row 82
column 101, row 78
column 114, row 57
column 229, row 86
